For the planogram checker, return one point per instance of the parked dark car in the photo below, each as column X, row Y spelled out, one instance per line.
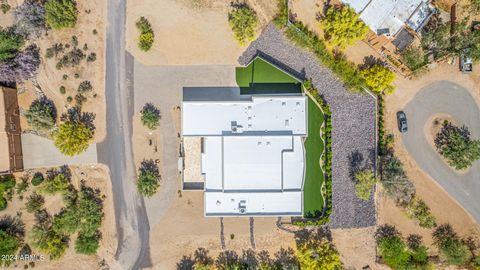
column 402, row 121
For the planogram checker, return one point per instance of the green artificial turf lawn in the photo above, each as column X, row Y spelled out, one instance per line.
column 312, row 197
column 260, row 77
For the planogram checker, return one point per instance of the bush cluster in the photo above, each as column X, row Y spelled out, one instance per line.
column 346, row 71
column 148, row 178
column 452, row 248
column 419, row 210
column 243, row 21
column 147, row 37
column 396, row 253
column 455, row 145
column 42, row 114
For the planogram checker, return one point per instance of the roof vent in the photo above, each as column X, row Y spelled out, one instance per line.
column 242, row 207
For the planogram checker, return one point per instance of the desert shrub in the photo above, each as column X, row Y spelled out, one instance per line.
column 75, row 133
column 22, row 67
column 57, row 183
column 72, row 58
column 365, row 182
column 74, row 41
column 148, row 178
column 379, row 79
column 60, row 13
column 3, row 203
column 37, row 179
column 147, row 36
column 85, row 47
column 48, row 241
column 420, row 211
column 394, row 252
column 414, row 58
column 87, row 245
column 150, row 116
column 281, row 18
column 22, row 186
column 9, row 245
column 90, row 211
column 342, row 27
column 84, row 87
column 79, row 100
column 34, row 203
column 42, row 114
column 10, row 44
column 69, row 99
column 8, row 181
column 92, row 57
column 62, row 90
column 243, row 21
column 54, row 50
column 322, row 255
column 66, row 222
column 30, row 19
column 456, row 146
column 5, row 7
column 452, row 249
column 395, row 181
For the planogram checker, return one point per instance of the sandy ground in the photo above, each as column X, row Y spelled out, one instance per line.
column 91, row 16
column 444, row 207
column 184, row 229
column 96, row 177
column 189, row 31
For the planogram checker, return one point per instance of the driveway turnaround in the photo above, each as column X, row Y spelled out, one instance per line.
column 353, row 122
column 39, row 152
column 446, row 98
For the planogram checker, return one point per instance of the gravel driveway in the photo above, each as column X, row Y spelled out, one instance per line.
column 448, row 98
column 353, row 123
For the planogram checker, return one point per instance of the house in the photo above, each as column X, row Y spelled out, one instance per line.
column 389, row 17
column 11, row 158
column 246, row 152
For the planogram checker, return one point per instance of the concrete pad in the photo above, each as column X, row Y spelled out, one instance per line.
column 39, row 152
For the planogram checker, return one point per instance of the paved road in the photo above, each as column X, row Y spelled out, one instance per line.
column 449, row 98
column 116, row 150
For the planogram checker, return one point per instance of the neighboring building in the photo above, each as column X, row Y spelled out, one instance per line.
column 11, row 159
column 389, row 17
column 246, row 152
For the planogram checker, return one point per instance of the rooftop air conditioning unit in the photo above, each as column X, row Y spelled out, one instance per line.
column 242, row 207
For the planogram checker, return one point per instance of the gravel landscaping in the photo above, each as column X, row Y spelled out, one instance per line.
column 353, row 120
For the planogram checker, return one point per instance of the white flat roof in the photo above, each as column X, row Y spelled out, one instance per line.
column 256, row 203
column 261, row 114
column 357, row 5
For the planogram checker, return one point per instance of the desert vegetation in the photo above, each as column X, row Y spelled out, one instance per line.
column 244, row 22
column 75, row 133
column 147, row 37
column 60, row 13
column 364, row 185
column 148, row 178
column 42, row 114
column 314, row 251
column 379, row 79
column 150, row 116
column 456, row 146
column 342, row 27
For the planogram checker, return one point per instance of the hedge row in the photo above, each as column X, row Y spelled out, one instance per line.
column 327, row 160
column 381, row 125
column 346, row 71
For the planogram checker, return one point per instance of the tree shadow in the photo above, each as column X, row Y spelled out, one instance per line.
column 76, row 116
column 310, row 237
column 370, row 61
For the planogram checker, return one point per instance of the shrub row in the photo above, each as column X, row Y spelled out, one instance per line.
column 346, row 71
column 382, row 148
column 327, row 159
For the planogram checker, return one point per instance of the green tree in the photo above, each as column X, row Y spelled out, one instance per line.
column 379, row 79
column 319, row 256
column 60, row 13
column 148, row 178
column 9, row 245
column 394, row 252
column 90, row 211
column 414, row 58
column 456, row 146
column 365, row 182
column 10, row 44
column 75, row 133
column 87, row 245
column 150, row 116
column 243, row 21
column 342, row 27
column 452, row 249
column 420, row 211
column 42, row 114
column 66, row 222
